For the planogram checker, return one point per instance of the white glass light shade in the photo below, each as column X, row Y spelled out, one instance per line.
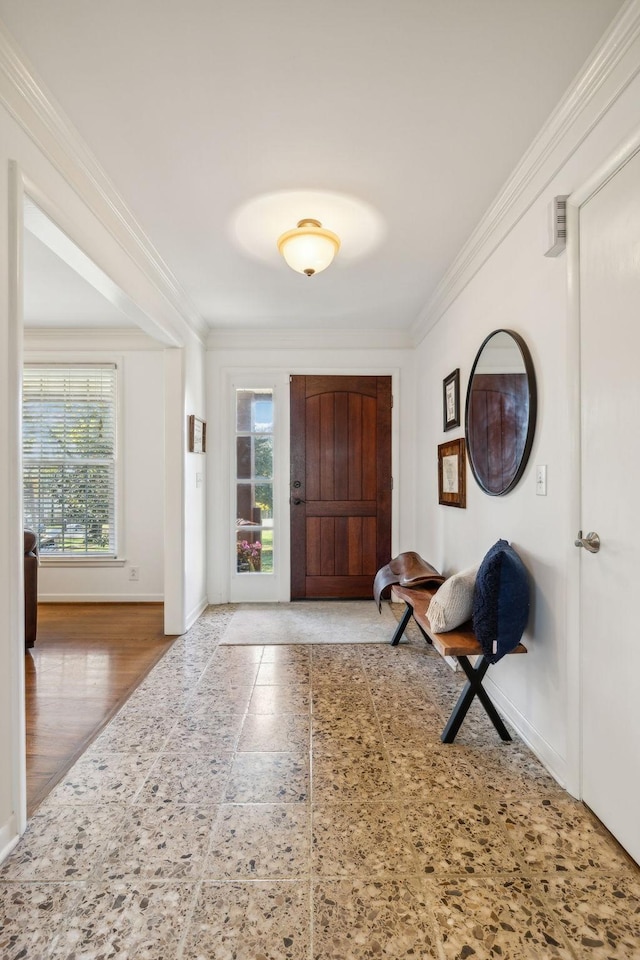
column 309, row 248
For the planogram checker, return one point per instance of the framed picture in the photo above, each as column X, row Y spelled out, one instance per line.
column 452, row 469
column 197, row 435
column 451, row 400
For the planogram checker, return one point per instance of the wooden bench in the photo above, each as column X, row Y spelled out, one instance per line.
column 461, row 643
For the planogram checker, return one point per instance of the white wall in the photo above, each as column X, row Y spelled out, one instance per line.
column 225, row 366
column 12, row 767
column 44, row 156
column 140, row 478
column 195, row 486
column 519, row 288
column 185, row 493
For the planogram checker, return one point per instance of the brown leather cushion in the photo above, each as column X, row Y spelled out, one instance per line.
column 408, row 569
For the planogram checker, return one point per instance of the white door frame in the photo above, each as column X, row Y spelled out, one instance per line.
column 15, row 584
column 623, row 153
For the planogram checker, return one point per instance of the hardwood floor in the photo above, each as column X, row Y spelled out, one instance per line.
column 87, row 660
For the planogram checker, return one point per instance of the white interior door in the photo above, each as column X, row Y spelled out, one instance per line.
column 610, row 579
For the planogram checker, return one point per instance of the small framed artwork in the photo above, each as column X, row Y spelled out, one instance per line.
column 452, row 469
column 451, row 400
column 197, row 435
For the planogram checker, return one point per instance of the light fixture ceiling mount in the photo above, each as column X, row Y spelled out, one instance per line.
column 309, row 248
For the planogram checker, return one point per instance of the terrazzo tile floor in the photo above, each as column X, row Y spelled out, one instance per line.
column 296, row 803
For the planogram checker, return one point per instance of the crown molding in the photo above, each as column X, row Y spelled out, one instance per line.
column 91, row 339
column 596, row 88
column 274, row 339
column 44, row 121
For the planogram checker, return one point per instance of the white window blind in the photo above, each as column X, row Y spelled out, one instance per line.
column 69, row 458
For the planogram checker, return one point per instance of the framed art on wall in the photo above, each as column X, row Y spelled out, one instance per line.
column 452, row 468
column 197, row 435
column 451, row 400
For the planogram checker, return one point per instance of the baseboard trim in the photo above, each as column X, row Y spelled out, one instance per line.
column 548, row 757
column 195, row 612
column 8, row 837
column 100, row 598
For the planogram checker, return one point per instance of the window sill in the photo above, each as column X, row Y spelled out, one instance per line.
column 82, row 561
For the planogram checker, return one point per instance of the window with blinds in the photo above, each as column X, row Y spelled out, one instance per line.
column 69, row 458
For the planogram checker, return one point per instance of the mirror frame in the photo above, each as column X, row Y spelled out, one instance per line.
column 533, row 410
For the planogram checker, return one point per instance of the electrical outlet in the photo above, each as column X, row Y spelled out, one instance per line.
column 134, row 573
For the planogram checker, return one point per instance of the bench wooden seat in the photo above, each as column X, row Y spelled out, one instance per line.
column 461, row 643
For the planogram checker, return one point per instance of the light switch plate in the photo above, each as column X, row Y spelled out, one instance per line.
column 541, row 480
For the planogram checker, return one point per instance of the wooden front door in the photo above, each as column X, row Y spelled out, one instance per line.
column 340, row 485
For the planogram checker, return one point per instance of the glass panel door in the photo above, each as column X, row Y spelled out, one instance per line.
column 254, row 480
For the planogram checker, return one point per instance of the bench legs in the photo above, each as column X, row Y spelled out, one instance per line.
column 402, row 626
column 473, row 688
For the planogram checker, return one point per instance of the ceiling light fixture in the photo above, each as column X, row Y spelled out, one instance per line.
column 309, row 248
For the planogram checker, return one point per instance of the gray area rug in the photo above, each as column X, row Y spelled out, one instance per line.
column 318, row 621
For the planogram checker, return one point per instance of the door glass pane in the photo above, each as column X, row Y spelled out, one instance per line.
column 254, row 481
column 263, row 414
column 243, row 410
column 243, row 454
column 254, row 411
column 263, row 457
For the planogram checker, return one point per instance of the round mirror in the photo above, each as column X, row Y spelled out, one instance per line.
column 500, row 415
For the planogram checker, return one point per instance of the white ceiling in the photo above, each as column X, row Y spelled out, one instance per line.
column 420, row 109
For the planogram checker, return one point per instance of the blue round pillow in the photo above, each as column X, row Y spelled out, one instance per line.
column 500, row 601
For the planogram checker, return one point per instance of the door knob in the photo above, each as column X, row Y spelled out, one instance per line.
column 591, row 542
column 297, row 500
